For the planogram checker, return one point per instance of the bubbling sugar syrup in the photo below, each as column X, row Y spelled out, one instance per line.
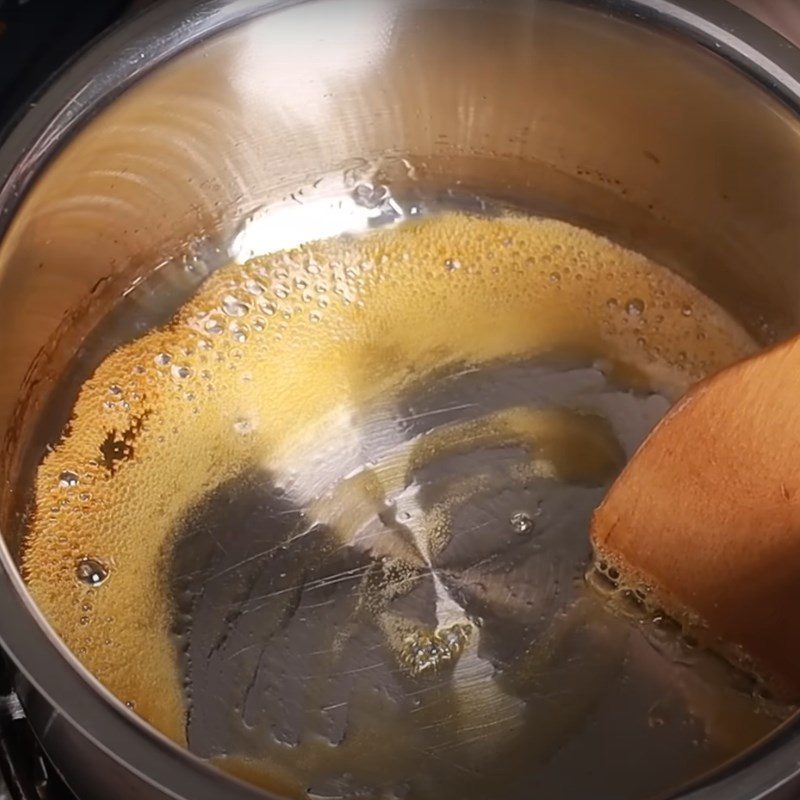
column 332, row 500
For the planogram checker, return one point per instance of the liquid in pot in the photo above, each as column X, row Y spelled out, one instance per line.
column 329, row 526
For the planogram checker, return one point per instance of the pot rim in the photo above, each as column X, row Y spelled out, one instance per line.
column 113, row 63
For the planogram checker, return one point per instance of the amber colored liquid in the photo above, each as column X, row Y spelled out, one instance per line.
column 328, row 527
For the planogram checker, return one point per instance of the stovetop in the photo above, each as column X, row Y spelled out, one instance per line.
column 37, row 38
column 25, row 773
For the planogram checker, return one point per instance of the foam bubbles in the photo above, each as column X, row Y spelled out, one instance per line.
column 394, row 314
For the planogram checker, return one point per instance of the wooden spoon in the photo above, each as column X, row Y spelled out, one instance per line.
column 707, row 513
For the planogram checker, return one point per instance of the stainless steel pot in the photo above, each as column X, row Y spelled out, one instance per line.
column 670, row 126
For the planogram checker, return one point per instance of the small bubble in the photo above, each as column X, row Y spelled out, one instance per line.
column 555, row 277
column 656, row 718
column 67, row 479
column 634, row 307
column 234, row 307
column 180, row 372
column 521, row 523
column 243, row 426
column 239, row 333
column 91, row 571
column 368, row 196
column 315, row 316
column 612, row 303
column 452, row 264
column 163, row 359
column 213, row 327
column 686, row 311
column 267, row 307
column 253, row 287
column 115, row 389
column 259, row 324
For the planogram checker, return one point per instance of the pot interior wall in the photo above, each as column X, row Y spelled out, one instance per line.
column 566, row 111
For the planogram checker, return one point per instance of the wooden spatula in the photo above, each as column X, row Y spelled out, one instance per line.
column 707, row 513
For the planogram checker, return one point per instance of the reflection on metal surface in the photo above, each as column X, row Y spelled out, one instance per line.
column 782, row 15
column 639, row 135
column 354, row 480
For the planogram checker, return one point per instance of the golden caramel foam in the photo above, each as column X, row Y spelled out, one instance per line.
column 250, row 368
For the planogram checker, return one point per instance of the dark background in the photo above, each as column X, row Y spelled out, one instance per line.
column 37, row 37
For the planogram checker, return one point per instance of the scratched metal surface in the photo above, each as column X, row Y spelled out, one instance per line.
column 784, row 15
column 473, row 655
